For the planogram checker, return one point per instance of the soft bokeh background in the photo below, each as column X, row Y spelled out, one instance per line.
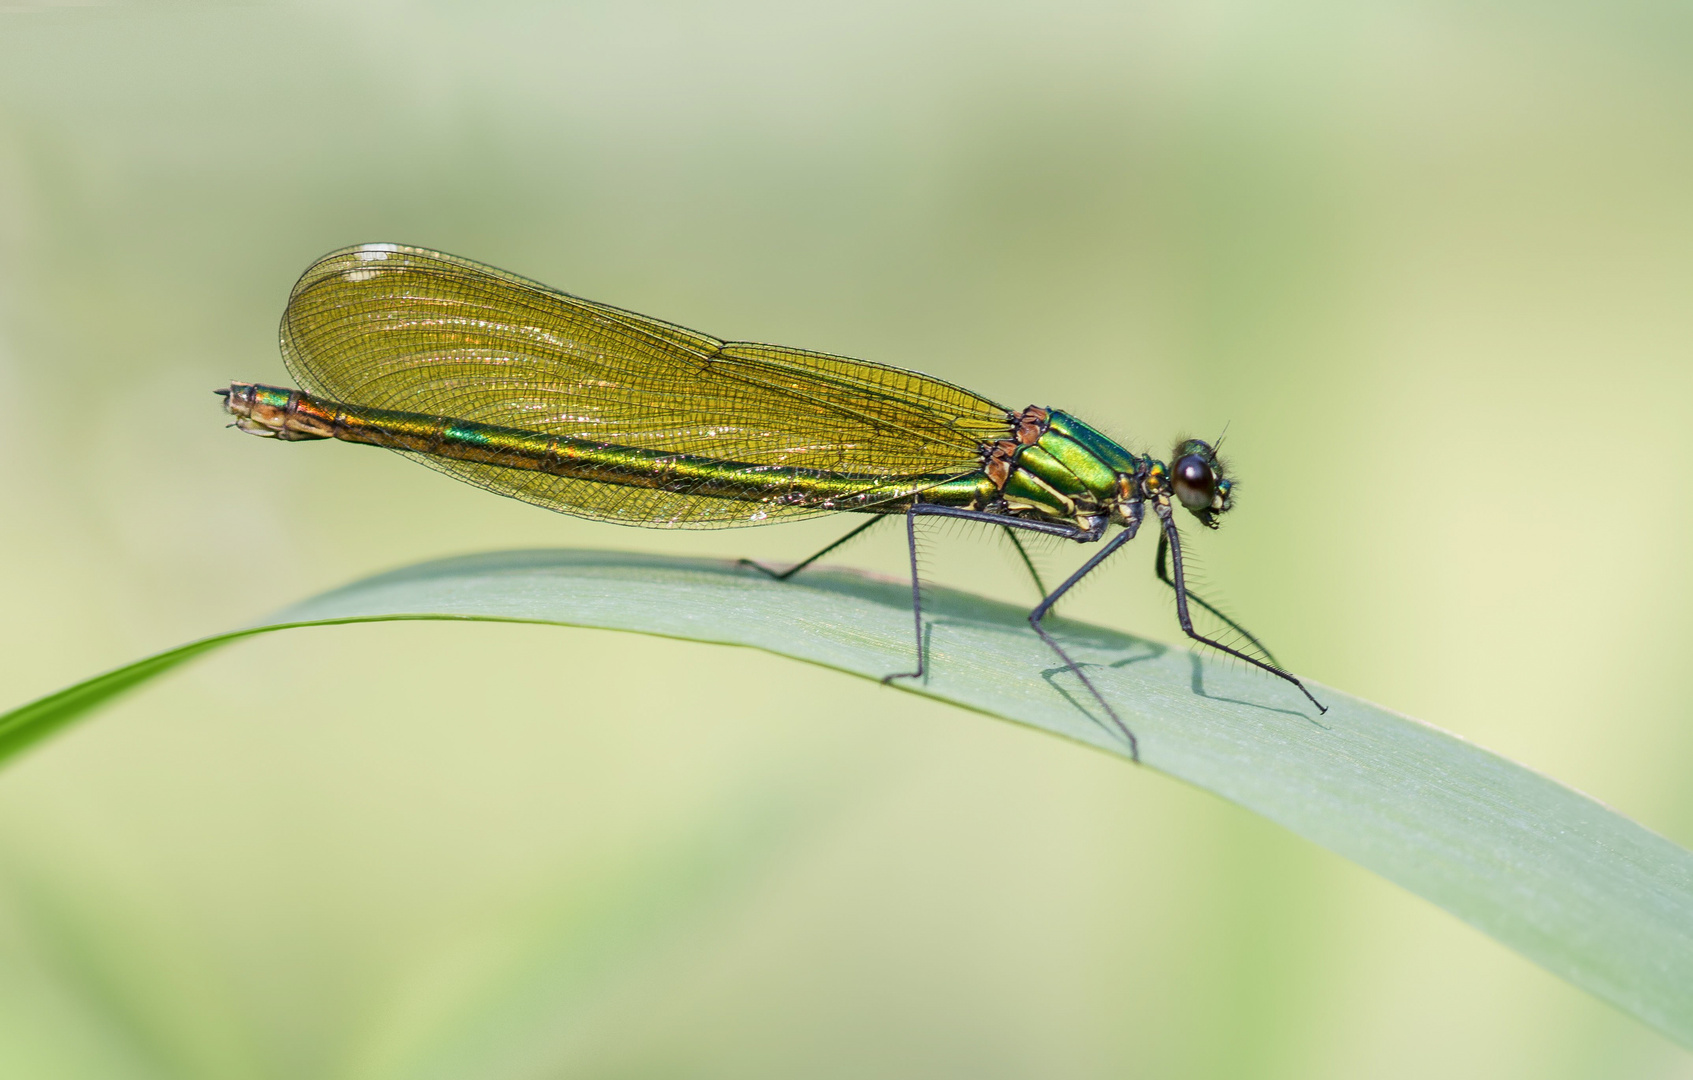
column 1431, row 263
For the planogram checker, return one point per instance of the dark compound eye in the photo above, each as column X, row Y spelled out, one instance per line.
column 1194, row 481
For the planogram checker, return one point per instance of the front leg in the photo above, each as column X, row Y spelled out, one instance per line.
column 1180, row 585
column 1164, row 576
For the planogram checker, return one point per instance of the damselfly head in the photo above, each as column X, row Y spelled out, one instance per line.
column 1196, row 476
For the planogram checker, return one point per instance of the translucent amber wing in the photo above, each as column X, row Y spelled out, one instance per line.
column 391, row 327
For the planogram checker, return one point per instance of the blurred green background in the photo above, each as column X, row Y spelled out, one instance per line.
column 1430, row 262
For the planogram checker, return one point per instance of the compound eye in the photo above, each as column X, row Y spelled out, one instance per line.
column 1194, row 481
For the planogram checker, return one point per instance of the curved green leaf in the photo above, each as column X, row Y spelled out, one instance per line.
column 1571, row 884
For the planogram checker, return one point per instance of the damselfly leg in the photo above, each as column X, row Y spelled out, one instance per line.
column 1068, row 532
column 783, row 575
column 1175, row 549
column 1164, row 576
column 1028, row 563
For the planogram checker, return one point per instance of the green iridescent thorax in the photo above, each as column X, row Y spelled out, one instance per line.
column 1072, row 472
column 1105, row 450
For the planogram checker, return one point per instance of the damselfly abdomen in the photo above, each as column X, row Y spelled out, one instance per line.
column 591, row 410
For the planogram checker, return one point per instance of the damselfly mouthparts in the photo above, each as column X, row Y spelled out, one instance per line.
column 591, row 410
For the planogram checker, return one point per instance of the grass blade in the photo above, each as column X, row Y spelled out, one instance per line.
column 1571, row 884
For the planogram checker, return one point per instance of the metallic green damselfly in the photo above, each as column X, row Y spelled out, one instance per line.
column 591, row 410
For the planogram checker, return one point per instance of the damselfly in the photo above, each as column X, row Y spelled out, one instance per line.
column 595, row 411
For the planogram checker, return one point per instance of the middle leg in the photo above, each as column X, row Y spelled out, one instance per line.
column 1040, row 612
column 1023, row 553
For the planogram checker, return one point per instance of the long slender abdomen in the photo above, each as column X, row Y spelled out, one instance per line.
column 280, row 413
